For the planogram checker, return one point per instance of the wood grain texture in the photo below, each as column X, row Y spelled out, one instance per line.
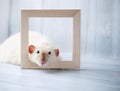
column 73, row 13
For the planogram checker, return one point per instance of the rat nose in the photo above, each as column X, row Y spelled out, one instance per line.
column 43, row 58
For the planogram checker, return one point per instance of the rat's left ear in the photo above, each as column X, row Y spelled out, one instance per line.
column 56, row 52
column 31, row 49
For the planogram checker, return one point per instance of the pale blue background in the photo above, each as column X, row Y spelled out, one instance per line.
column 100, row 23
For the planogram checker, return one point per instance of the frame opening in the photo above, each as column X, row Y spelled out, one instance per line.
column 58, row 30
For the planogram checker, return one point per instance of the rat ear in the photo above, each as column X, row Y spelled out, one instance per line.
column 31, row 49
column 56, row 52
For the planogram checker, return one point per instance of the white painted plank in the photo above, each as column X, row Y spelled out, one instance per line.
column 47, row 4
column 4, row 19
column 104, row 28
column 116, row 29
column 92, row 26
column 67, row 4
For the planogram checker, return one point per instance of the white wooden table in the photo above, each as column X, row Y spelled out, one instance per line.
column 95, row 75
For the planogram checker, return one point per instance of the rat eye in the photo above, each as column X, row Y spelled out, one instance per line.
column 49, row 53
column 38, row 52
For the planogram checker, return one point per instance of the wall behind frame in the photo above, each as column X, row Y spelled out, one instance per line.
column 100, row 22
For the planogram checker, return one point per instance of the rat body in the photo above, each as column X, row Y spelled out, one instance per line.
column 40, row 50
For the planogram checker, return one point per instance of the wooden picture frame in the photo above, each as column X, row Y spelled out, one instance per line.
column 75, row 14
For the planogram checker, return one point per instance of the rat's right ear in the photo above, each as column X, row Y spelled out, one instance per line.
column 31, row 49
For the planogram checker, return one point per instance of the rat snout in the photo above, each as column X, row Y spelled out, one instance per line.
column 44, row 58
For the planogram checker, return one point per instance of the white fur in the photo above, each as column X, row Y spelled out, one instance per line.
column 43, row 49
column 10, row 49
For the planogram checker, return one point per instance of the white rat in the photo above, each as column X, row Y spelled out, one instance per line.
column 40, row 50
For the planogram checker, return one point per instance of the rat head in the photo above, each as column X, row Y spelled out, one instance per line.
column 42, row 55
